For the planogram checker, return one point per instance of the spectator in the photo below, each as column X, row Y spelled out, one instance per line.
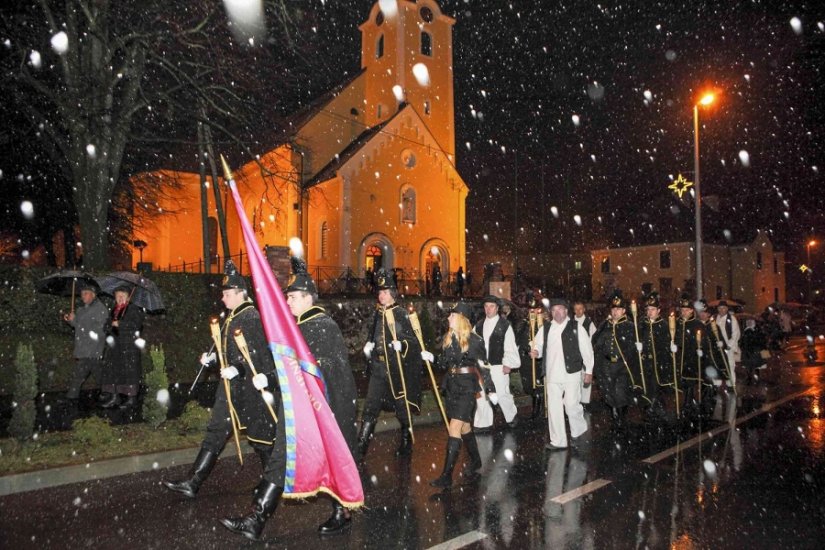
column 459, row 282
column 123, row 371
column 89, row 323
column 753, row 345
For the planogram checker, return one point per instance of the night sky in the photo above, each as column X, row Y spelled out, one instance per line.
column 592, row 103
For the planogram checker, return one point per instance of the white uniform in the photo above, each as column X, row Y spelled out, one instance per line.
column 484, row 411
column 589, row 388
column 733, row 351
column 562, row 387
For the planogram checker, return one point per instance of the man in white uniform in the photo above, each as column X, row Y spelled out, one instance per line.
column 566, row 351
column 589, row 327
column 502, row 358
column 730, row 333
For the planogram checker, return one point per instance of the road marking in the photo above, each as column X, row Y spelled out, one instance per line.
column 460, row 541
column 767, row 407
column 578, row 492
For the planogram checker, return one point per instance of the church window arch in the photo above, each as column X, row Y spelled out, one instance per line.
column 408, row 204
column 379, row 47
column 426, row 44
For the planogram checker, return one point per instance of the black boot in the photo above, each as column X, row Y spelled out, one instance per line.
column 471, row 445
column 267, row 496
column 112, row 402
column 204, row 463
column 538, row 407
column 364, row 437
column 446, row 478
column 338, row 523
column 405, row 447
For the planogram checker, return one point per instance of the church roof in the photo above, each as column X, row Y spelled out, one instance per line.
column 350, row 151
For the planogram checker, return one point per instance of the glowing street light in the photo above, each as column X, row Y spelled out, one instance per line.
column 706, row 100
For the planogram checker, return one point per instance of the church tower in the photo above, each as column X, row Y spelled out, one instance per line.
column 407, row 56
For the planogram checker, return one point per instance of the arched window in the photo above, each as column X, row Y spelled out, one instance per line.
column 212, row 233
column 324, row 240
column 407, row 204
column 374, row 258
column 426, row 44
column 379, row 47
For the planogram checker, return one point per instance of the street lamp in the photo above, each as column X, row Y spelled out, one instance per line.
column 705, row 100
column 808, row 272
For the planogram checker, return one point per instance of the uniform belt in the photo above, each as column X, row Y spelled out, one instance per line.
column 380, row 357
column 462, row 370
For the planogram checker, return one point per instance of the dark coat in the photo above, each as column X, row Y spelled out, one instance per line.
column 658, row 360
column 327, row 345
column 686, row 357
column 123, row 366
column 254, row 416
column 616, row 361
column 384, row 359
column 714, row 358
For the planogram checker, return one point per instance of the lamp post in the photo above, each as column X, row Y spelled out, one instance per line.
column 706, row 100
column 808, row 272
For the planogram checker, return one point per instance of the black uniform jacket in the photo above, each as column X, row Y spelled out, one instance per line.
column 247, row 401
column 384, row 360
column 327, row 345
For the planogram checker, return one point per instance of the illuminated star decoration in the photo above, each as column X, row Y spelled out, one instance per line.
column 680, row 185
column 803, row 268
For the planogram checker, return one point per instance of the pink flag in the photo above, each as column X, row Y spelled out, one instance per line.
column 317, row 456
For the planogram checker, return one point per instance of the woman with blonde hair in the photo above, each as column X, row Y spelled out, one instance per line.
column 462, row 355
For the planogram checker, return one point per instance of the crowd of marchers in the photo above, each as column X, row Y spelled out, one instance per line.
column 670, row 366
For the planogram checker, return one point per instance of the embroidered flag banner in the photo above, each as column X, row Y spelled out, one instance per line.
column 317, row 456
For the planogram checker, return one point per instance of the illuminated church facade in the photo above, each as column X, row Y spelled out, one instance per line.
column 366, row 178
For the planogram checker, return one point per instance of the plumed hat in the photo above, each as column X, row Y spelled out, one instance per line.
column 231, row 279
column 300, row 279
column 384, row 280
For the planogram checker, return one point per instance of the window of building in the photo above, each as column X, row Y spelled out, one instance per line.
column 407, row 204
column 378, row 110
column 718, row 292
column 324, row 240
column 212, row 231
column 427, row 107
column 606, row 264
column 665, row 286
column 775, row 294
column 379, row 47
column 664, row 259
column 426, row 14
column 426, row 44
column 647, row 288
column 353, row 111
column 577, row 265
column 775, row 265
column 758, row 260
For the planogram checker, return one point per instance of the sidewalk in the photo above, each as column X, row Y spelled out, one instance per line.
column 64, row 475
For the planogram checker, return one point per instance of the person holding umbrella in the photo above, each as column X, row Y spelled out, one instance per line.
column 89, row 323
column 123, row 372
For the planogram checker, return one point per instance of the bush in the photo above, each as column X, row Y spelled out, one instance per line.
column 156, row 401
column 21, row 426
column 194, row 418
column 94, row 432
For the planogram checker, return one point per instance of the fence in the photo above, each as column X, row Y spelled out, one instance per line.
column 330, row 280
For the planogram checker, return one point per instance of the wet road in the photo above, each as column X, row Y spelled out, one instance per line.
column 754, row 477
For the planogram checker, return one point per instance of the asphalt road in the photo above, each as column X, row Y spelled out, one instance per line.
column 753, row 477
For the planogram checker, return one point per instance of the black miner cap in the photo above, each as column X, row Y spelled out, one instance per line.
column 300, row 279
column 653, row 300
column 686, row 301
column 617, row 300
column 384, row 280
column 231, row 279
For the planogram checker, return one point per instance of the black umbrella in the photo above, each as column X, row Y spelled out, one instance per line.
column 145, row 293
column 66, row 282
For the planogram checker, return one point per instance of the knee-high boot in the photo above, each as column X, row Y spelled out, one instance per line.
column 204, row 463
column 470, row 443
column 267, row 496
column 406, row 445
column 364, row 437
column 446, row 478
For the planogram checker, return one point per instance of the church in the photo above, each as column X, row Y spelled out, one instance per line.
column 366, row 178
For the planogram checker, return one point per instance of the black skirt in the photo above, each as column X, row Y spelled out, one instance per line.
column 460, row 396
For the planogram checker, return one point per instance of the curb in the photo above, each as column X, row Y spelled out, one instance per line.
column 92, row 471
